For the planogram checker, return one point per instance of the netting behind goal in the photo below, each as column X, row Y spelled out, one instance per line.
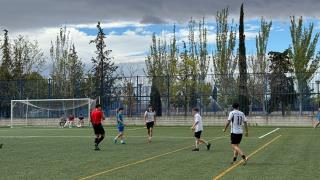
column 49, row 112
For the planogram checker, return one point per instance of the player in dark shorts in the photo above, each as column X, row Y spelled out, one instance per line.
column 197, row 127
column 236, row 120
column 150, row 121
column 97, row 117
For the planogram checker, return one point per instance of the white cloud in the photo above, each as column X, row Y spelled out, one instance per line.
column 127, row 47
column 252, row 27
column 114, row 24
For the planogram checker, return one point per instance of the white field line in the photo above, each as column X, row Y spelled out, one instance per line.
column 269, row 133
column 58, row 129
column 164, row 137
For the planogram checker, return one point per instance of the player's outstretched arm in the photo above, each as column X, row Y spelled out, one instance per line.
column 226, row 126
column 145, row 118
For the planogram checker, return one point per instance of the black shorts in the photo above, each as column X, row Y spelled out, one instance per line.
column 197, row 134
column 98, row 129
column 150, row 124
column 236, row 138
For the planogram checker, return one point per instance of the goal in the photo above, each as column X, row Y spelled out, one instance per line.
column 49, row 112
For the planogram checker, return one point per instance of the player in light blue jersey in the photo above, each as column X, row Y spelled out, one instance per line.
column 120, row 126
column 317, row 122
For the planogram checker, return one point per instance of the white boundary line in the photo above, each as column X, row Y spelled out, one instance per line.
column 269, row 133
column 167, row 137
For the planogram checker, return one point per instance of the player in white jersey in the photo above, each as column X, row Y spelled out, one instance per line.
column 197, row 127
column 150, row 121
column 236, row 120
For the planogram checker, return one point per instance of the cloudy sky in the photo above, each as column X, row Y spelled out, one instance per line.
column 130, row 23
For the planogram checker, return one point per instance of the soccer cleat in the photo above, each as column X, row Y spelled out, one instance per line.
column 195, row 149
column 123, row 143
column 1, row 146
column 245, row 161
column 115, row 141
column 208, row 146
column 96, row 148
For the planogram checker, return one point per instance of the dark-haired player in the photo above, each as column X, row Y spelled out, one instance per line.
column 236, row 120
column 197, row 127
column 97, row 117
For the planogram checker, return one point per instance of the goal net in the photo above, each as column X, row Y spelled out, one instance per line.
column 50, row 112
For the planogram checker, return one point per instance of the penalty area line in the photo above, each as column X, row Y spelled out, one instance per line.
column 269, row 133
column 141, row 161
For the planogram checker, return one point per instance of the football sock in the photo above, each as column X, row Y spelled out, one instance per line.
column 100, row 139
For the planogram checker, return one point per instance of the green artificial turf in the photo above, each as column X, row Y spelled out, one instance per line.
column 52, row 153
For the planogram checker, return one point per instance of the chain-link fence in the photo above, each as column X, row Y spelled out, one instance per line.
column 213, row 94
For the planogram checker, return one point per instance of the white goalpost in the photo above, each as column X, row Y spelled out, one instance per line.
column 49, row 112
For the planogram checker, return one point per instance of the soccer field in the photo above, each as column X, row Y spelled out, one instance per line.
column 52, row 153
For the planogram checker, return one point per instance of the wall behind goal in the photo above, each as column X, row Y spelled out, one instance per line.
column 297, row 121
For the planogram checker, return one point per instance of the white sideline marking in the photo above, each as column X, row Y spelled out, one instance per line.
column 269, row 133
column 167, row 137
column 58, row 129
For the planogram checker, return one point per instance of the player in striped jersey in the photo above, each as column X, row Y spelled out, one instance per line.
column 236, row 120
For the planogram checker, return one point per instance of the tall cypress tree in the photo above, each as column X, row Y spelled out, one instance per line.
column 243, row 90
column 103, row 68
column 5, row 75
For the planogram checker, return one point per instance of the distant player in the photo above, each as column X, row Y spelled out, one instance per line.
column 120, row 126
column 63, row 120
column 97, row 117
column 81, row 121
column 197, row 127
column 150, row 121
column 317, row 122
column 70, row 121
column 236, row 120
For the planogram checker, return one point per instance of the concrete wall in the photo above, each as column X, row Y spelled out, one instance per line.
column 180, row 121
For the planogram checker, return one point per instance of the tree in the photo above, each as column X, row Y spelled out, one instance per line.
column 243, row 90
column 260, row 64
column 224, row 61
column 27, row 58
column 59, row 53
column 5, row 75
column 128, row 90
column 305, row 61
column 6, row 61
column 155, row 99
column 75, row 72
column 156, row 68
column 261, row 44
column 103, row 68
column 281, row 85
